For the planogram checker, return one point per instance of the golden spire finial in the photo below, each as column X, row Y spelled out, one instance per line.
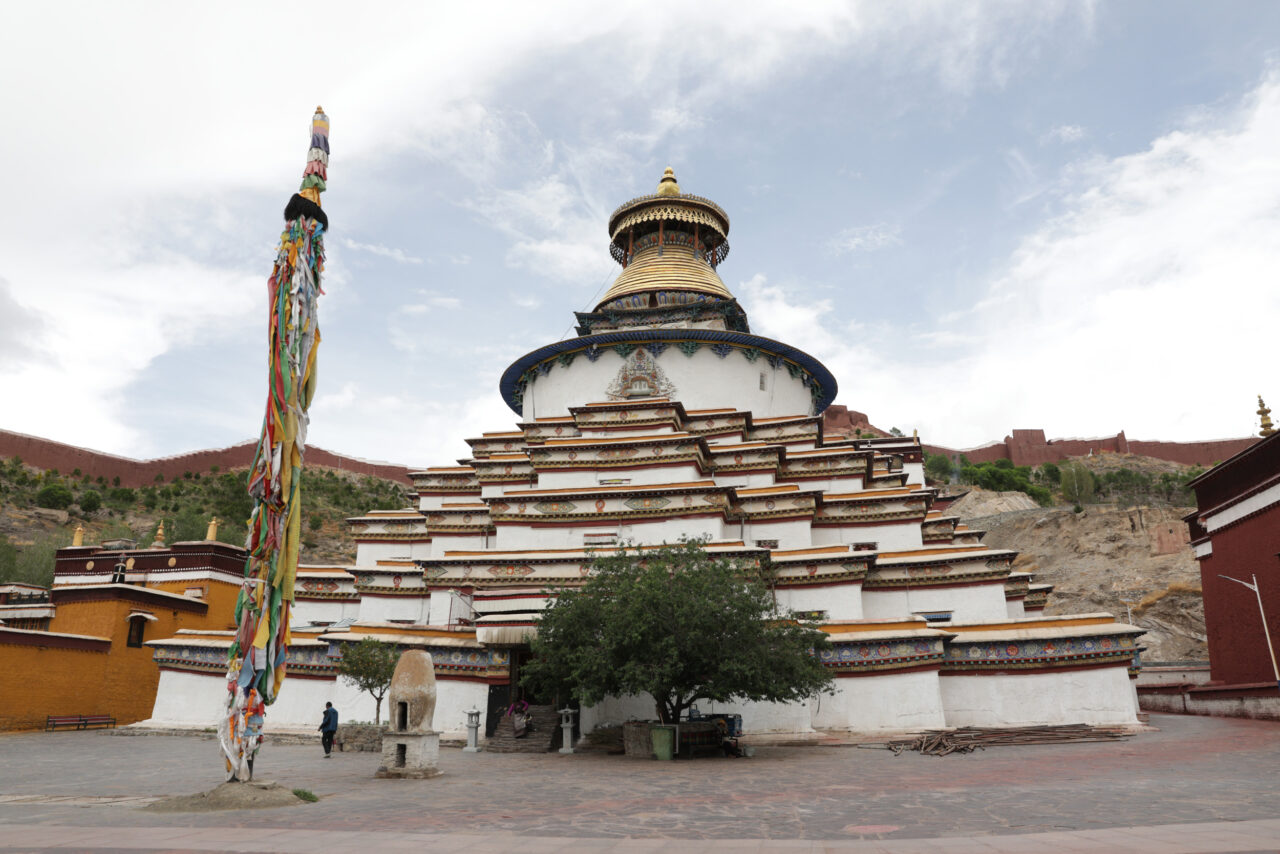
column 668, row 186
column 212, row 533
column 1264, row 412
column 158, row 542
column 77, row 539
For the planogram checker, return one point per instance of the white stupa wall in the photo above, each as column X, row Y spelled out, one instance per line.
column 701, row 381
column 843, row 602
column 377, row 609
column 835, row 485
column 1097, row 696
column 745, row 480
column 795, row 534
column 888, row 537
column 590, row 478
column 613, row 711
column 885, row 703
column 323, row 610
column 369, row 553
column 519, row 537
column 973, row 604
column 449, row 607
column 445, row 541
column 1015, row 608
column 186, row 699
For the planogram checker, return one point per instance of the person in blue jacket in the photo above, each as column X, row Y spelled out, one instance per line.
column 328, row 728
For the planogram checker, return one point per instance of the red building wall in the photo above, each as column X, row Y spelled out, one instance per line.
column 1031, row 448
column 1237, row 645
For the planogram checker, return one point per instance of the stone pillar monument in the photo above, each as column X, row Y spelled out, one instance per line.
column 411, row 748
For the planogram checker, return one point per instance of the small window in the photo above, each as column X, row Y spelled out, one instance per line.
column 136, row 627
column 763, row 384
column 767, row 544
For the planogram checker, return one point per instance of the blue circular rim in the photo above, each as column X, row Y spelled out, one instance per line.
column 824, row 378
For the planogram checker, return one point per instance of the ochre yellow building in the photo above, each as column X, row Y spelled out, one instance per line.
column 79, row 648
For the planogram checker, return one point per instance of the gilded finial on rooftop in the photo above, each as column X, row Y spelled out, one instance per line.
column 1264, row 412
column 668, row 186
column 212, row 533
column 158, row 542
column 77, row 539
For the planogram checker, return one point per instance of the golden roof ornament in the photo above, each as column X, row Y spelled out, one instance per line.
column 77, row 539
column 668, row 186
column 1264, row 412
column 158, row 542
column 212, row 533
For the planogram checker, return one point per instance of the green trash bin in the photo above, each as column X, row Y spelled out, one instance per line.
column 664, row 741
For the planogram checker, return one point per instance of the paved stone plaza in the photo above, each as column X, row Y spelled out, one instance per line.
column 1198, row 784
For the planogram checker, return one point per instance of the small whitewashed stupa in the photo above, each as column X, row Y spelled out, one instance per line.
column 665, row 417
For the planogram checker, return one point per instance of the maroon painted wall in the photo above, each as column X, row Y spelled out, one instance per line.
column 47, row 454
column 1237, row 646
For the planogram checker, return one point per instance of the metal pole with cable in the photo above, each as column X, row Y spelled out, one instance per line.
column 1265, row 631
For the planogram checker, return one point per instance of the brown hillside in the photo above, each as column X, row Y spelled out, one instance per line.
column 1107, row 556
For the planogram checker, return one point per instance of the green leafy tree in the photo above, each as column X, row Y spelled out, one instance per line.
column 369, row 665
column 680, row 625
column 938, row 467
column 90, row 501
column 55, row 496
column 1077, row 483
column 1050, row 473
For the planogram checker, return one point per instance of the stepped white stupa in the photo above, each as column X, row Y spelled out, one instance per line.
column 666, row 418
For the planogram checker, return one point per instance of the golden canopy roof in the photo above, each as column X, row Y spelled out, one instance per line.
column 682, row 265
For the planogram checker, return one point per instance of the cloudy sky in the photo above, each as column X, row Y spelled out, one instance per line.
column 979, row 216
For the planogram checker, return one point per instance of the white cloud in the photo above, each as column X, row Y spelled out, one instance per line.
column 381, row 251
column 1147, row 305
column 414, row 430
column 1066, row 133
column 865, row 238
column 128, row 254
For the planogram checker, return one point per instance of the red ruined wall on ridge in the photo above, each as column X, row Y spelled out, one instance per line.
column 1031, row 448
column 47, row 454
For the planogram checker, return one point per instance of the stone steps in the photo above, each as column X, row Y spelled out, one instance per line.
column 538, row 739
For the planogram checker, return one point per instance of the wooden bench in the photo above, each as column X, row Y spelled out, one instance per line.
column 52, row 722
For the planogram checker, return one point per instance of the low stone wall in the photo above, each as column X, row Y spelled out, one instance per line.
column 361, row 738
column 1259, row 701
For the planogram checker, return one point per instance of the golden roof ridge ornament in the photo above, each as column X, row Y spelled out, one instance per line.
column 1264, row 412
column 667, row 186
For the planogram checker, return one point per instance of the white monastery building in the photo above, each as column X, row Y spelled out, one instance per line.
column 666, row 418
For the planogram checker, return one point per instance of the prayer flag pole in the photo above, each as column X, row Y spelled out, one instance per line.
column 256, row 658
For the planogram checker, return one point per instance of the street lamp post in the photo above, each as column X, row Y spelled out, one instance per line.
column 1265, row 631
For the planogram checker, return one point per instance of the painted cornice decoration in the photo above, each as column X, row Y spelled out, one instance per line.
column 870, row 656
column 1037, row 654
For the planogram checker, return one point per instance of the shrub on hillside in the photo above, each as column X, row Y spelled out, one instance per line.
column 55, row 496
column 938, row 467
column 90, row 501
column 1004, row 476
